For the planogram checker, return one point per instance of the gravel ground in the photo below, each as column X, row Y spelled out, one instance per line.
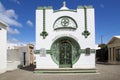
column 105, row 72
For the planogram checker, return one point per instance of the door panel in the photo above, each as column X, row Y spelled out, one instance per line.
column 65, row 55
column 24, row 58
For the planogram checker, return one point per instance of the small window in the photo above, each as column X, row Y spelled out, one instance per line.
column 42, row 52
column 87, row 51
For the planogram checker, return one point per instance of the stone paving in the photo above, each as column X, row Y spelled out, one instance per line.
column 105, row 72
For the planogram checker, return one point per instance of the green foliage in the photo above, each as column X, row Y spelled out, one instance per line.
column 102, row 46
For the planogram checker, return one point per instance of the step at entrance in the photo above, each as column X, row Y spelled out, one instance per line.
column 43, row 71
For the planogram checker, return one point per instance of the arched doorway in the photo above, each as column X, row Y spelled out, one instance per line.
column 65, row 51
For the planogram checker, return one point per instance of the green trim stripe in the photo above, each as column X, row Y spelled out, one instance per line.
column 47, row 52
column 65, row 10
column 50, row 7
column 83, row 51
column 41, row 8
column 80, row 51
column 82, row 7
column 44, row 19
column 44, row 33
column 37, row 52
column 86, row 33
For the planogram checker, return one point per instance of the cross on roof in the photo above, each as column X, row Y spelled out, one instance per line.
column 64, row 4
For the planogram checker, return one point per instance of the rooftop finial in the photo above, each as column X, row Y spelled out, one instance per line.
column 64, row 4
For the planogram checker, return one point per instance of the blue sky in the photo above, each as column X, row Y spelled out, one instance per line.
column 20, row 16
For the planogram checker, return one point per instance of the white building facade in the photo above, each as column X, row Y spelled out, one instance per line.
column 3, row 46
column 65, row 38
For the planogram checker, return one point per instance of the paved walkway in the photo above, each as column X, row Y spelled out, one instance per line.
column 105, row 72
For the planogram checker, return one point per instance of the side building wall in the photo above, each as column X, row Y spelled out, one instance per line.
column 13, row 59
column 3, row 47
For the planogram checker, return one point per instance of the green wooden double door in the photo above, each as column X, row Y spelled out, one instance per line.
column 65, row 54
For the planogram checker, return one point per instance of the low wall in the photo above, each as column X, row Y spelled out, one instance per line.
column 12, row 65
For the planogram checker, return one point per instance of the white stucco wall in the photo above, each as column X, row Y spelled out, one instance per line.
column 85, row 62
column 50, row 19
column 45, row 62
column 78, row 16
column 13, row 59
column 12, row 65
column 3, row 51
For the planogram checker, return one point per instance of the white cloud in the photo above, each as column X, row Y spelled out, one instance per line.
column 13, row 40
column 29, row 23
column 12, row 31
column 9, row 16
column 1, row 7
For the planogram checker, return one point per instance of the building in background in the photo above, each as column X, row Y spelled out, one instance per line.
column 20, row 56
column 3, row 47
column 114, row 50
column 65, row 38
